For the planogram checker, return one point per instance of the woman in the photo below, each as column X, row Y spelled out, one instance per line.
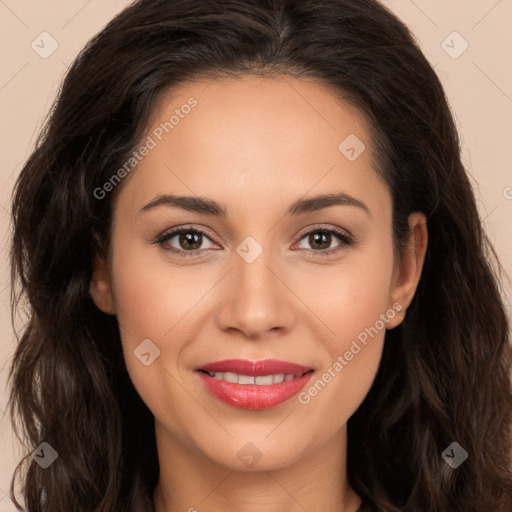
column 256, row 274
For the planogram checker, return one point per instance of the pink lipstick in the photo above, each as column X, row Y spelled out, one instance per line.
column 254, row 385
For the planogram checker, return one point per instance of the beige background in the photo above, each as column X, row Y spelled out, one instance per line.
column 478, row 84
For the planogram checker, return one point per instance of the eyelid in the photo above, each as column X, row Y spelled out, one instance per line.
column 329, row 229
column 171, row 233
column 345, row 238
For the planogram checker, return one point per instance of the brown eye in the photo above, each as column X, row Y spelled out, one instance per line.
column 184, row 240
column 320, row 241
column 190, row 240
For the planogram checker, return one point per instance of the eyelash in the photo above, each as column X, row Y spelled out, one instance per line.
column 345, row 239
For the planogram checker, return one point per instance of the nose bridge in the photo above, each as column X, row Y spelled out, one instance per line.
column 252, row 267
column 255, row 302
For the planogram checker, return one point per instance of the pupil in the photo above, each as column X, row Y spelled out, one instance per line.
column 319, row 236
column 189, row 238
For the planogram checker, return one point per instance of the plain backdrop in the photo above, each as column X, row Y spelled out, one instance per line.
column 474, row 66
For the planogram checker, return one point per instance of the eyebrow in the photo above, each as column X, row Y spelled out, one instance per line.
column 211, row 207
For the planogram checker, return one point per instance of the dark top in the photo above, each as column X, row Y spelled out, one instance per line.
column 367, row 506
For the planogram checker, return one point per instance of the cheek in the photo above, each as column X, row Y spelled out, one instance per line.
column 353, row 304
column 160, row 304
column 357, row 324
column 152, row 299
column 149, row 312
column 146, row 309
column 351, row 297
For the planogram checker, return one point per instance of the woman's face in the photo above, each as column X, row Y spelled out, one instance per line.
column 270, row 278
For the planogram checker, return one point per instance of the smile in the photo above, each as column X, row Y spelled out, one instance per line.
column 254, row 385
column 260, row 380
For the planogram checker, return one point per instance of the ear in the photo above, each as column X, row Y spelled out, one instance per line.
column 100, row 288
column 407, row 271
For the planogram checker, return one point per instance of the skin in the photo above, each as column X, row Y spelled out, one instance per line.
column 255, row 145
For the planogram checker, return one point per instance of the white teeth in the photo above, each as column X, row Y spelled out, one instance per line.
column 246, row 379
column 230, row 377
column 262, row 380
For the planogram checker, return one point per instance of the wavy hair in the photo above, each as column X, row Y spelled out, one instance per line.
column 445, row 372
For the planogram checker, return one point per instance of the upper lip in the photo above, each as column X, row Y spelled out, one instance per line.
column 255, row 368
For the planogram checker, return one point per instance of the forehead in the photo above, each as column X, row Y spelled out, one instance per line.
column 254, row 138
column 249, row 112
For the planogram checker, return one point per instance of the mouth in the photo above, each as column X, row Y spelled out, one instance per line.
column 254, row 385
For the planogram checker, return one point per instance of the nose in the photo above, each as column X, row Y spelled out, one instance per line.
column 255, row 298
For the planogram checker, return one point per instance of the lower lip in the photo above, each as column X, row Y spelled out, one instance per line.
column 253, row 396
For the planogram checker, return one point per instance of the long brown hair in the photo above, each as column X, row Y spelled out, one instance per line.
column 445, row 372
